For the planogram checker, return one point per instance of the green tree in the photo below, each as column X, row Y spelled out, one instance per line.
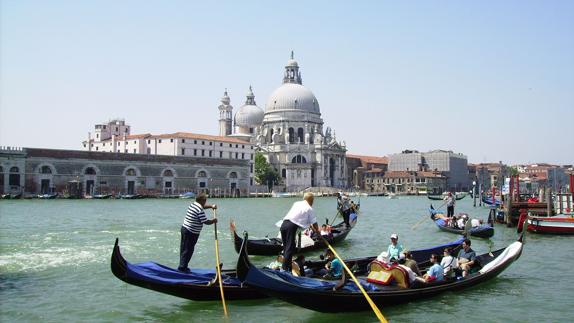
column 265, row 174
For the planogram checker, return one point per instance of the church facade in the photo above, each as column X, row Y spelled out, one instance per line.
column 290, row 133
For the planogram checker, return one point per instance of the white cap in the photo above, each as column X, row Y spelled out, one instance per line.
column 394, row 236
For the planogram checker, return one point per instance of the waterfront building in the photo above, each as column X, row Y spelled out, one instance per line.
column 452, row 165
column 358, row 165
column 404, row 182
column 41, row 171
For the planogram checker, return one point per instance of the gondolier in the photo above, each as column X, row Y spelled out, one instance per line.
column 192, row 224
column 450, row 200
column 300, row 215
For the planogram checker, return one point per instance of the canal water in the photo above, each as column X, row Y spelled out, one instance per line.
column 55, row 262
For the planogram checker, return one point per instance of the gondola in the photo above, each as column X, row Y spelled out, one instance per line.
column 441, row 197
column 481, row 231
column 488, row 201
column 102, row 196
column 274, row 246
column 198, row 285
column 318, row 295
column 557, row 224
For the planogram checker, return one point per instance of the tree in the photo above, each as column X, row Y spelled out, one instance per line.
column 265, row 174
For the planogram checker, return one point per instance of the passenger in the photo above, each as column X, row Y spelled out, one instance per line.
column 448, row 263
column 435, row 272
column 460, row 223
column 301, row 262
column 324, row 231
column 334, row 266
column 344, row 206
column 394, row 250
column 413, row 277
column 466, row 257
column 476, row 222
column 411, row 263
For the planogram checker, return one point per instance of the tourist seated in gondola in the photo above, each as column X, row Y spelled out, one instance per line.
column 411, row 263
column 476, row 222
column 334, row 266
column 395, row 249
column 466, row 258
column 326, row 231
column 448, row 263
column 435, row 272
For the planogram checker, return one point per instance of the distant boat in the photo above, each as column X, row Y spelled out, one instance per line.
column 102, row 196
column 12, row 196
column 558, row 224
column 47, row 196
column 187, row 195
column 281, row 194
column 392, row 196
column 132, row 196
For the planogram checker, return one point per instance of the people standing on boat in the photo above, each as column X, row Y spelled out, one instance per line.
column 300, row 215
column 450, row 201
column 192, row 224
column 466, row 257
column 448, row 262
column 344, row 206
column 395, row 249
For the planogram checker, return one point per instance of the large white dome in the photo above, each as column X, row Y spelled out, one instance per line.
column 292, row 96
column 249, row 116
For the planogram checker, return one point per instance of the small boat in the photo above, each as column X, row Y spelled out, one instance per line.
column 319, row 295
column 132, row 196
column 392, row 196
column 488, row 201
column 187, row 195
column 558, row 224
column 458, row 196
column 102, row 196
column 481, row 231
column 12, row 196
column 197, row 285
column 48, row 196
column 274, row 246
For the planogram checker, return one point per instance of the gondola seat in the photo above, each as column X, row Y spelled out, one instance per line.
column 385, row 274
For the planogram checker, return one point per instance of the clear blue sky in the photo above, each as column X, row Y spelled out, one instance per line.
column 491, row 79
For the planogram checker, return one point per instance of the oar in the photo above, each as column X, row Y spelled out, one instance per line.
column 424, row 218
column 373, row 305
column 217, row 269
column 338, row 212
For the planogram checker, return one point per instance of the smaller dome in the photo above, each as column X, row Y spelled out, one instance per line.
column 249, row 116
column 292, row 62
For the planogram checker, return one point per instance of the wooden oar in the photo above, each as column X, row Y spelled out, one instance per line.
column 373, row 305
column 217, row 268
column 423, row 219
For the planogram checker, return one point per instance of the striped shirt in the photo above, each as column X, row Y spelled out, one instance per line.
column 194, row 218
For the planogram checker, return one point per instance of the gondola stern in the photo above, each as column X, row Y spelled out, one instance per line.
column 243, row 263
column 118, row 263
column 237, row 241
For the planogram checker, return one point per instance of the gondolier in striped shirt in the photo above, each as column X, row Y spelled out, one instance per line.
column 192, row 224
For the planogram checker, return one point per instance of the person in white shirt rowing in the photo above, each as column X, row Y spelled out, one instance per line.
column 300, row 215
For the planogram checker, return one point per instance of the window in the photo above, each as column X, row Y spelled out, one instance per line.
column 298, row 160
column 135, row 142
column 251, row 157
column 131, row 172
column 195, row 142
column 236, row 146
column 167, row 173
column 221, row 154
column 233, row 175
column 90, row 171
column 182, row 151
column 203, row 153
column 201, row 173
column 159, row 141
column 242, row 155
column 230, row 145
column 236, row 155
column 210, row 153
column 220, row 144
column 46, row 170
column 211, row 143
column 97, row 148
column 203, row 142
column 202, row 184
column 171, row 140
column 134, row 151
column 195, row 152
column 242, row 146
column 183, row 141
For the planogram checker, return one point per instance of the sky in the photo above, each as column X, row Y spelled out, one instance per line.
column 493, row 80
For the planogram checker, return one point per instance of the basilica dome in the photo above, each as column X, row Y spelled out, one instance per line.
column 249, row 115
column 292, row 96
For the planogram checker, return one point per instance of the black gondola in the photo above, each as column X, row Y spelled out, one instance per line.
column 481, row 231
column 441, row 197
column 198, row 285
column 318, row 295
column 274, row 246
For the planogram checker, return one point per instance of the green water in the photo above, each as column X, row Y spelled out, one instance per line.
column 55, row 254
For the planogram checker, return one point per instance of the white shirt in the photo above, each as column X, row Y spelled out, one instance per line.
column 301, row 214
column 448, row 263
column 412, row 275
column 475, row 222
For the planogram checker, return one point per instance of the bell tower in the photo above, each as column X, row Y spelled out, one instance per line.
column 292, row 74
column 225, row 111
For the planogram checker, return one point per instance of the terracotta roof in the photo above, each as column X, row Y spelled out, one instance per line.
column 370, row 159
column 141, row 136
column 374, row 170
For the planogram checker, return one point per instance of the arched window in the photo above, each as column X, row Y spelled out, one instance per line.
column 45, row 170
column 167, row 173
column 300, row 135
column 291, row 135
column 233, row 175
column 131, row 172
column 90, row 171
column 202, row 173
column 299, row 160
column 14, row 177
column 283, row 173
